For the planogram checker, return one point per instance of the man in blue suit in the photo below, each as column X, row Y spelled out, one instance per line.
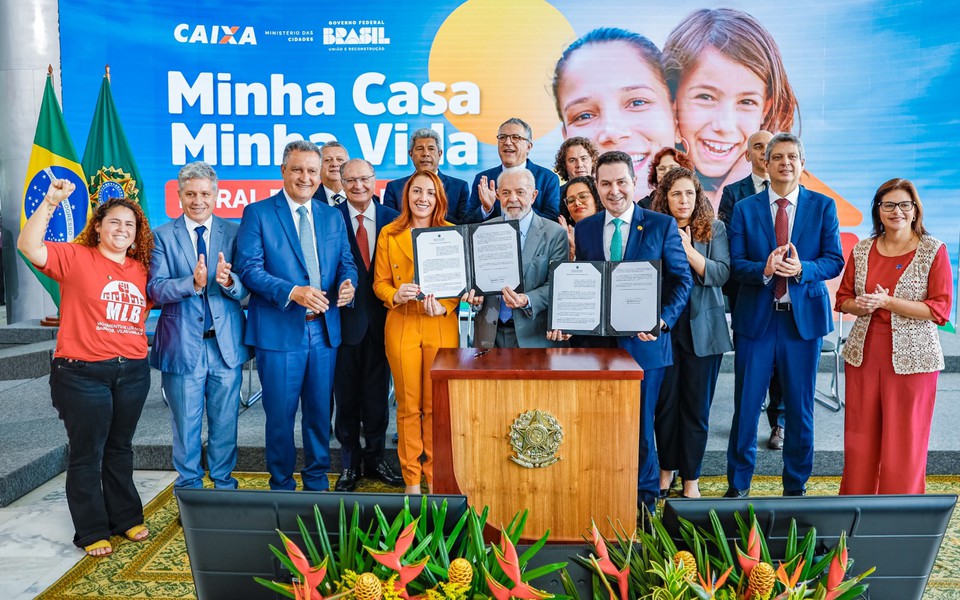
column 754, row 183
column 624, row 231
column 198, row 345
column 362, row 382
column 514, row 142
column 784, row 244
column 425, row 151
column 294, row 257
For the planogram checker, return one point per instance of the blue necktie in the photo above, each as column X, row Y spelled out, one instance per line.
column 309, row 250
column 202, row 250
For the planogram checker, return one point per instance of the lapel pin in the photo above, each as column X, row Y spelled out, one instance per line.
column 639, row 227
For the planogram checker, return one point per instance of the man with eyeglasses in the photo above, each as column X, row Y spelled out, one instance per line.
column 332, row 156
column 425, row 151
column 362, row 382
column 784, row 246
column 754, row 183
column 519, row 319
column 514, row 142
column 294, row 257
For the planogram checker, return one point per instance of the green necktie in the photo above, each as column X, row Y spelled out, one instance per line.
column 616, row 242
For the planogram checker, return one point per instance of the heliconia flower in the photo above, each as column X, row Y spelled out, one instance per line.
column 607, row 566
column 711, row 585
column 507, row 558
column 838, row 568
column 312, row 576
column 391, row 559
column 789, row 581
column 751, row 557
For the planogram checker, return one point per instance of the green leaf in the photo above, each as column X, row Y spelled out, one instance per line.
column 280, row 588
column 543, row 570
column 333, row 568
column 532, row 550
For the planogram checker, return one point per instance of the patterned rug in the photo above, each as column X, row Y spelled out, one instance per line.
column 160, row 570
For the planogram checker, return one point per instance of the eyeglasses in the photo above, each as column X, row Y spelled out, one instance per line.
column 582, row 198
column 905, row 206
column 515, row 138
column 353, row 180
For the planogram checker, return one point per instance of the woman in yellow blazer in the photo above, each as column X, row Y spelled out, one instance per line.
column 417, row 326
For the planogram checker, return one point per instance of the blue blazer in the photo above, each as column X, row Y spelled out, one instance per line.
column 179, row 334
column 652, row 236
column 816, row 235
column 455, row 189
column 547, row 204
column 368, row 312
column 270, row 263
column 733, row 193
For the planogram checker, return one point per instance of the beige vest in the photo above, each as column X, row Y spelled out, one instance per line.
column 916, row 343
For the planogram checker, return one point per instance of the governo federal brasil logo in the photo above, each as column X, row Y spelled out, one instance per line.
column 238, row 35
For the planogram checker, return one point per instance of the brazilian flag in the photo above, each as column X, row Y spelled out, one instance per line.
column 54, row 157
column 107, row 160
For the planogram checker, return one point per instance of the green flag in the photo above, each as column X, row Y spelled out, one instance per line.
column 107, row 159
column 54, row 157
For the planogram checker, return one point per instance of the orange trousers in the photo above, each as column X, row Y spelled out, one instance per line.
column 412, row 341
column 886, row 429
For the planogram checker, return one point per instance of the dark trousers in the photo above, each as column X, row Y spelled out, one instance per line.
column 298, row 378
column 100, row 404
column 683, row 411
column 648, row 476
column 361, row 387
column 775, row 403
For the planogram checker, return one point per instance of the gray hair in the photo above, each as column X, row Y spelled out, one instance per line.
column 334, row 144
column 357, row 160
column 781, row 138
column 422, row 134
column 300, row 146
column 524, row 172
column 518, row 121
column 196, row 170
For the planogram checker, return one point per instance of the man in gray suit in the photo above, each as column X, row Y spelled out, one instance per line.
column 519, row 320
column 198, row 345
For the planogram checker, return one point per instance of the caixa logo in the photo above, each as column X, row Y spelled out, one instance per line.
column 214, row 34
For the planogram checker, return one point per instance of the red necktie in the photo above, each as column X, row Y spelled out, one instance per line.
column 782, row 229
column 363, row 242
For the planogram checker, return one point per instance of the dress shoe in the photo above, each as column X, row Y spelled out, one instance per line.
column 385, row 473
column 347, row 482
column 735, row 493
column 795, row 493
column 776, row 438
column 664, row 492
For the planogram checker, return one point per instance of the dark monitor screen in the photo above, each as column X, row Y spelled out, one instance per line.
column 899, row 535
column 228, row 532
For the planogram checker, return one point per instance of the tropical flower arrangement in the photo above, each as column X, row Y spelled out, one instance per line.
column 648, row 564
column 415, row 558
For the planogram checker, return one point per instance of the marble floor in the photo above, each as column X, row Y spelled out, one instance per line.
column 36, row 533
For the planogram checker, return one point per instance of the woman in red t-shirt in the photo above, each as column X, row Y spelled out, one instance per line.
column 99, row 377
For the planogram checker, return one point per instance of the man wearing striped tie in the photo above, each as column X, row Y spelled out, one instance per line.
column 294, row 257
column 362, row 381
column 625, row 231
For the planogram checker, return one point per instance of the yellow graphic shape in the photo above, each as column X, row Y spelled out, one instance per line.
column 509, row 49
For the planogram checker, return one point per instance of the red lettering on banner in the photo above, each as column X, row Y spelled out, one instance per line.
column 235, row 194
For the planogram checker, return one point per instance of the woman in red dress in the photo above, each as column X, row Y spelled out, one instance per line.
column 898, row 283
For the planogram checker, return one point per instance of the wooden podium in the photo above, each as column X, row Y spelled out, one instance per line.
column 481, row 438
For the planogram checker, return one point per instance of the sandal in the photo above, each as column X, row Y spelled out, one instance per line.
column 99, row 549
column 137, row 533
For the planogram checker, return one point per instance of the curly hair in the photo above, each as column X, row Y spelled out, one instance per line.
column 439, row 217
column 679, row 156
column 142, row 246
column 701, row 221
column 560, row 162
